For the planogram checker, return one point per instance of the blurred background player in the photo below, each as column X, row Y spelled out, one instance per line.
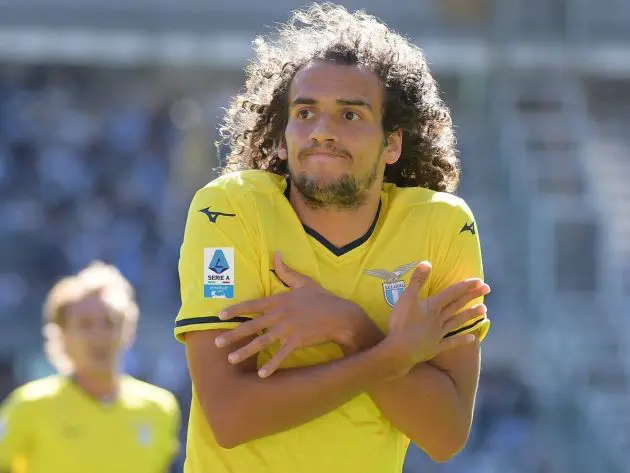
column 90, row 416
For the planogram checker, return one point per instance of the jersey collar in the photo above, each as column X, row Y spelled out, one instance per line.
column 336, row 250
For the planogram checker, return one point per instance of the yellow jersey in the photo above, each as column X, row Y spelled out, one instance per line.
column 234, row 226
column 51, row 426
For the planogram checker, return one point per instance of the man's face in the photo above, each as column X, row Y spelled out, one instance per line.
column 93, row 334
column 334, row 139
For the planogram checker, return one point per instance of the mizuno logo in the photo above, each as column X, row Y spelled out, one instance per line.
column 391, row 276
column 213, row 216
column 468, row 228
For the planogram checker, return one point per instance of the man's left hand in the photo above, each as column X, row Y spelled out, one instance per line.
column 307, row 315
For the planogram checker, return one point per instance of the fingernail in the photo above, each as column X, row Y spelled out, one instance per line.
column 223, row 315
column 424, row 266
column 219, row 341
column 262, row 372
column 233, row 358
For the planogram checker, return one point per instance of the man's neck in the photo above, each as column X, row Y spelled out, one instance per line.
column 339, row 227
column 100, row 386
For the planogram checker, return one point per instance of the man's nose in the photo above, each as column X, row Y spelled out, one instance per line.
column 325, row 130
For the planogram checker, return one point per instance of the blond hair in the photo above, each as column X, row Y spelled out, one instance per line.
column 97, row 278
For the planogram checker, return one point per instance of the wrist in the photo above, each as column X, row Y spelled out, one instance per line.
column 359, row 332
column 389, row 363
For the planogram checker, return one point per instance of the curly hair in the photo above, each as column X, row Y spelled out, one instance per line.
column 255, row 122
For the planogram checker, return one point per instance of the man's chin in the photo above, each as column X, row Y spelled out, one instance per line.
column 328, row 190
column 323, row 177
column 103, row 366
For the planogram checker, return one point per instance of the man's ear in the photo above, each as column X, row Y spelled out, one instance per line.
column 393, row 147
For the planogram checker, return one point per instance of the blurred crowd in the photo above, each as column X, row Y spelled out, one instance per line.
column 83, row 176
column 89, row 168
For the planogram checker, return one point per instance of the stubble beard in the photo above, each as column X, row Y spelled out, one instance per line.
column 347, row 192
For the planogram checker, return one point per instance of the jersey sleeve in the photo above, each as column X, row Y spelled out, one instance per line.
column 14, row 431
column 457, row 257
column 219, row 264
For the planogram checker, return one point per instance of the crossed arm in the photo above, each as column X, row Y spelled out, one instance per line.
column 240, row 407
column 432, row 404
column 430, row 401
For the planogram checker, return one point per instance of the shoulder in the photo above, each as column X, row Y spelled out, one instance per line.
column 441, row 206
column 234, row 202
column 140, row 392
column 242, row 186
column 41, row 389
column 36, row 392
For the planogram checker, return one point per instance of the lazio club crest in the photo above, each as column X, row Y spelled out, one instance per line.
column 393, row 286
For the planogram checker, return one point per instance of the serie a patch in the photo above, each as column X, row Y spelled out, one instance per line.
column 218, row 273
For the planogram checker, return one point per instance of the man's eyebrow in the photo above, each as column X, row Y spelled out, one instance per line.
column 355, row 103
column 347, row 102
column 303, row 101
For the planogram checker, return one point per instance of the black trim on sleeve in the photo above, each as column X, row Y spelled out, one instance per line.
column 209, row 320
column 464, row 328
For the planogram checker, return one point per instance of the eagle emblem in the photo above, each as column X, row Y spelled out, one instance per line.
column 393, row 286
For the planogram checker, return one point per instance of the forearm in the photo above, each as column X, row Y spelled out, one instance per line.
column 426, row 406
column 252, row 407
column 437, row 420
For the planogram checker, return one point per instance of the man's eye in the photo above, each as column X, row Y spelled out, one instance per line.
column 351, row 116
column 304, row 114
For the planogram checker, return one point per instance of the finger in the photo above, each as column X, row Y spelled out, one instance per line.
column 247, row 329
column 456, row 341
column 254, row 306
column 289, row 276
column 459, row 303
column 453, row 292
column 463, row 318
column 257, row 345
column 418, row 279
column 274, row 363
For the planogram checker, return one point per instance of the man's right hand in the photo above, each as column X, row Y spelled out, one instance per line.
column 418, row 327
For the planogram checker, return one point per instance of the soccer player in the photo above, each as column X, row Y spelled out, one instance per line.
column 90, row 417
column 331, row 284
